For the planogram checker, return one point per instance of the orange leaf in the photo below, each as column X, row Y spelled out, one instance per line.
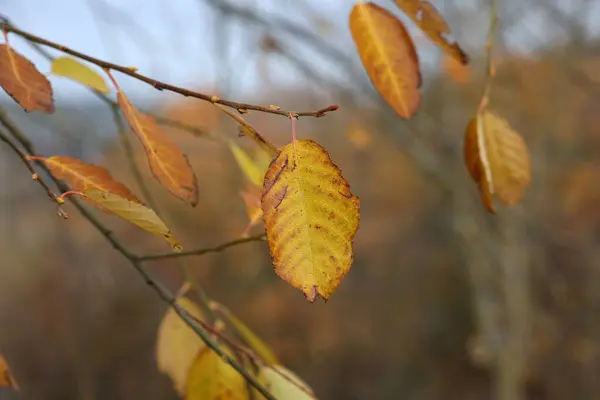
column 81, row 176
column 388, row 54
column 168, row 164
column 428, row 18
column 497, row 159
column 23, row 82
column 6, row 378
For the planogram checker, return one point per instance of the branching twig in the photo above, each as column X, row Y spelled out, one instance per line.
column 131, row 71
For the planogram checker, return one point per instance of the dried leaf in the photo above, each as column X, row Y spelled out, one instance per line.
column 73, row 69
column 133, row 212
column 283, row 384
column 255, row 343
column 168, row 164
column 433, row 24
column 251, row 169
column 388, row 54
column 211, row 378
column 497, row 159
column 251, row 196
column 23, row 82
column 81, row 176
column 310, row 217
column 6, row 378
column 177, row 345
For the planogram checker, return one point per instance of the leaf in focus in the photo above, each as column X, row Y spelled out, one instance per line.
column 24, row 83
column 497, row 159
column 211, row 378
column 251, row 196
column 178, row 345
column 256, row 344
column 286, row 387
column 388, row 54
column 310, row 217
column 249, row 167
column 133, row 212
column 73, row 69
column 168, row 164
column 81, row 176
column 433, row 24
column 6, row 378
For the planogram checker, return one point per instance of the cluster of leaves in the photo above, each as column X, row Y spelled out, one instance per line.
column 496, row 156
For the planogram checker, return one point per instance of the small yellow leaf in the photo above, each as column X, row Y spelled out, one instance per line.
column 256, row 344
column 497, row 159
column 310, row 217
column 6, row 378
column 178, row 345
column 133, row 212
column 388, row 54
column 73, row 69
column 283, row 384
column 24, row 83
column 249, row 167
column 211, row 378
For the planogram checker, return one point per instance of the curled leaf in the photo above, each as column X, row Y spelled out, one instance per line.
column 133, row 212
column 497, row 159
column 433, row 24
column 168, row 164
column 6, row 378
column 178, row 345
column 23, row 82
column 211, row 378
column 283, row 384
column 388, row 54
column 73, row 69
column 310, row 218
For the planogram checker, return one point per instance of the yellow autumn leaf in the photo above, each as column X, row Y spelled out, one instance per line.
column 251, row 169
column 6, row 378
column 497, row 159
column 133, row 212
column 388, row 54
column 310, row 217
column 73, row 69
column 178, row 345
column 211, row 378
column 283, row 384
column 256, row 344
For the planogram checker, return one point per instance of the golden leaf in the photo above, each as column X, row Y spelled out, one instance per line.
column 6, row 378
column 388, row 54
column 251, row 169
column 133, row 212
column 178, row 345
column 73, row 69
column 310, row 217
column 168, row 164
column 211, row 378
column 256, row 344
column 81, row 176
column 23, row 82
column 433, row 24
column 497, row 159
column 283, row 384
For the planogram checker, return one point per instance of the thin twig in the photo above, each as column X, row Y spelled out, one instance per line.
column 490, row 70
column 202, row 251
column 135, row 261
column 131, row 71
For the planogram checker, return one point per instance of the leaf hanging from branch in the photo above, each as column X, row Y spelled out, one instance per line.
column 133, row 212
column 6, row 378
column 75, row 70
column 497, row 159
column 388, row 54
column 433, row 24
column 310, row 217
column 24, row 83
column 178, row 345
column 284, row 384
column 168, row 164
column 211, row 378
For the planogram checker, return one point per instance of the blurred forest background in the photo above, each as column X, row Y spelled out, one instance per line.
column 443, row 301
